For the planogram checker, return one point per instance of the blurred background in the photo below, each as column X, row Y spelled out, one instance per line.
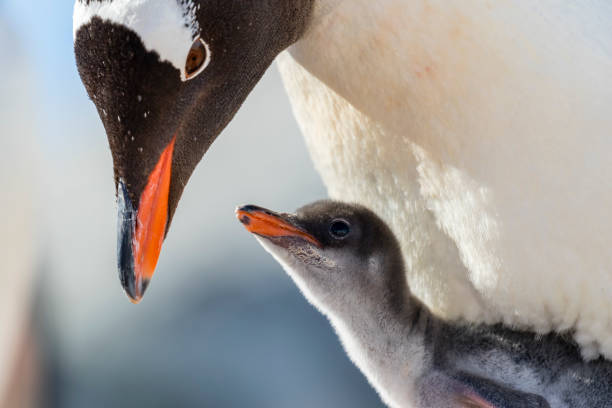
column 221, row 325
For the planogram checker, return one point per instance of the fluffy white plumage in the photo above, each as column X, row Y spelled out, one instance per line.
column 398, row 360
column 481, row 132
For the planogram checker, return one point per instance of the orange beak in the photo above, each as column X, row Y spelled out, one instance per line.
column 269, row 224
column 142, row 232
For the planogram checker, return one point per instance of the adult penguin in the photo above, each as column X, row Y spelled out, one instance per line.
column 479, row 132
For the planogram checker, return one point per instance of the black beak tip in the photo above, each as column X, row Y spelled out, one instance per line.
column 127, row 276
column 134, row 289
column 135, row 292
column 126, row 225
column 250, row 208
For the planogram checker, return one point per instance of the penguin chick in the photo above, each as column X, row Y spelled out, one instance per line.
column 348, row 264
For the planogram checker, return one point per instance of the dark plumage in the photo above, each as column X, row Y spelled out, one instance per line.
column 125, row 80
column 144, row 103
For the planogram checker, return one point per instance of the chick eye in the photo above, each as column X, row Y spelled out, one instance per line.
column 197, row 59
column 339, row 229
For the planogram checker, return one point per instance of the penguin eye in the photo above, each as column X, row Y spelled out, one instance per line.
column 339, row 229
column 197, row 59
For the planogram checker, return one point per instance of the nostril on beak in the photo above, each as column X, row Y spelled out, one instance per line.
column 245, row 220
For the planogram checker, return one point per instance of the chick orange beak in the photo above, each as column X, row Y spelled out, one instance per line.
column 269, row 224
column 142, row 231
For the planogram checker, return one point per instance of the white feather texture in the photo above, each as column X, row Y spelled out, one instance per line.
column 481, row 132
column 386, row 354
column 167, row 27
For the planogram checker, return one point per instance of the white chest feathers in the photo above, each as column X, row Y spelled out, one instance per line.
column 167, row 27
column 481, row 134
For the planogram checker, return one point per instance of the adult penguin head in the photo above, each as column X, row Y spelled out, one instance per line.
column 166, row 77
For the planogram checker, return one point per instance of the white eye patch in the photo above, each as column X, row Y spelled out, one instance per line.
column 167, row 27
